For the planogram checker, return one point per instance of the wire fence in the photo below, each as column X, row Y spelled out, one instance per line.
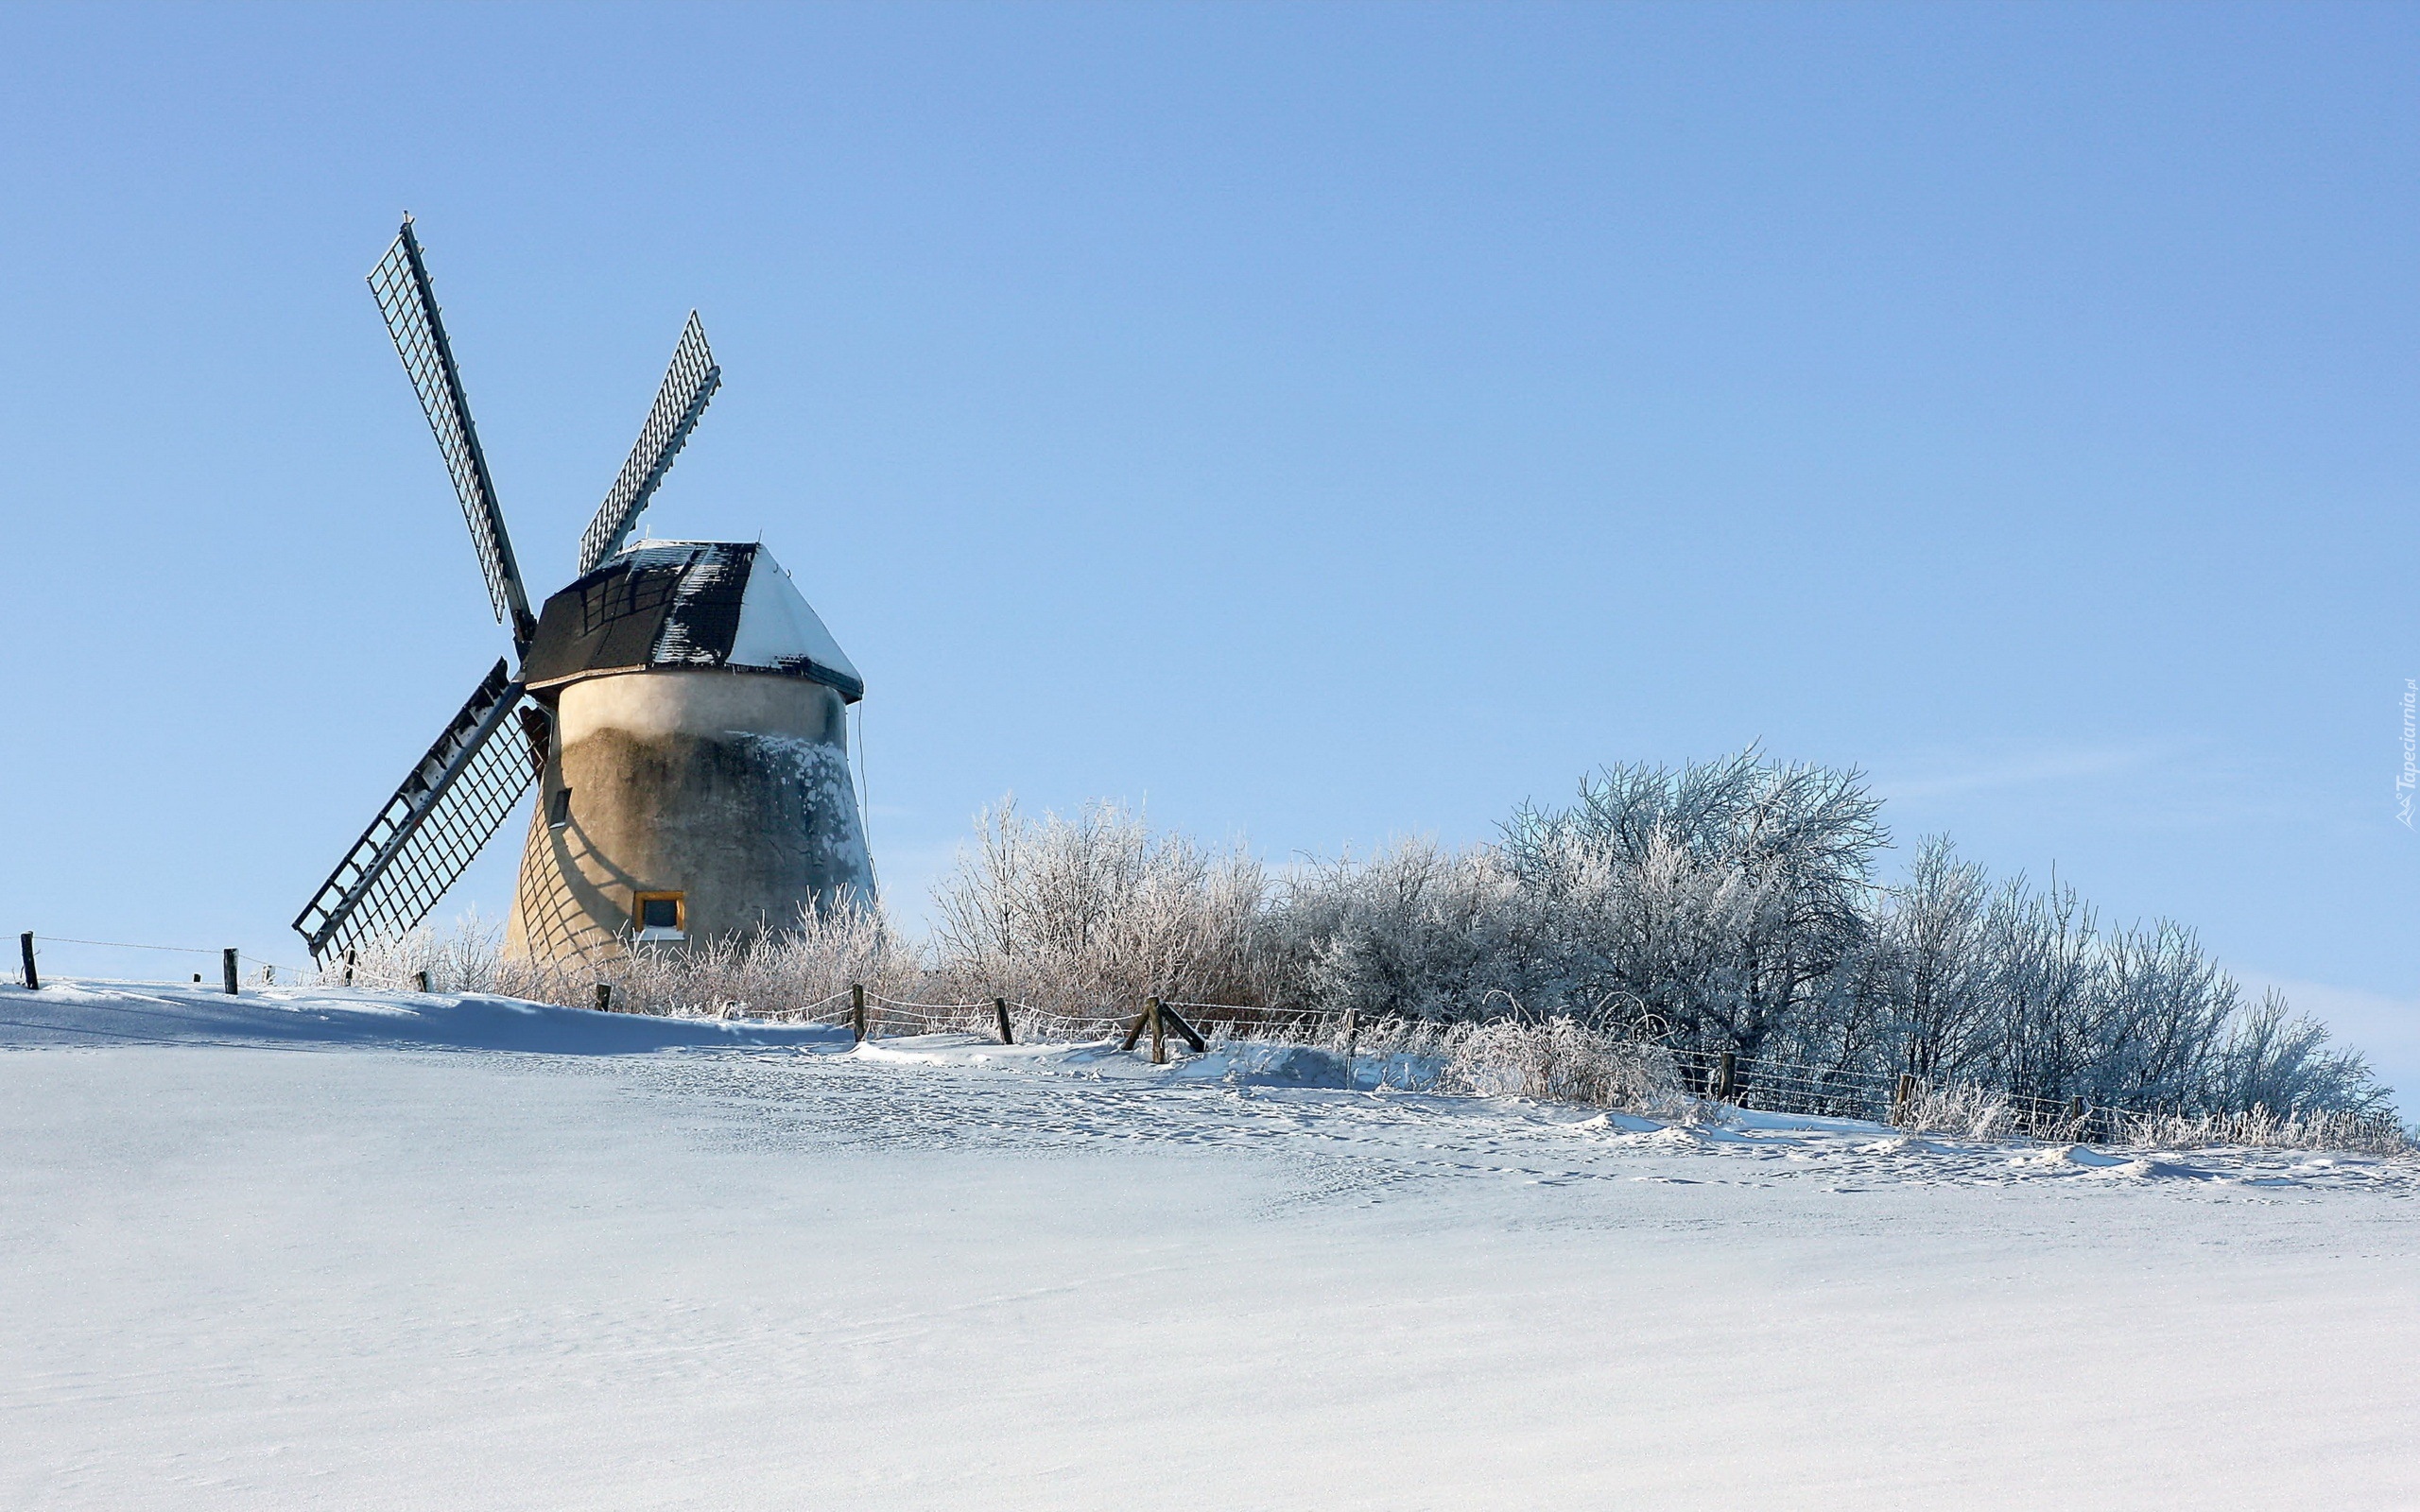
column 1925, row 1104
column 886, row 1015
column 1241, row 1021
column 1845, row 1091
column 264, row 973
column 1723, row 1077
column 1748, row 1083
column 1026, row 1023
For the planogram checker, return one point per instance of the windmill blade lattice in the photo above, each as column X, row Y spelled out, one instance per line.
column 428, row 834
column 401, row 283
column 688, row 385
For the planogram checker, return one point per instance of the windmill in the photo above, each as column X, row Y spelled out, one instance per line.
column 679, row 707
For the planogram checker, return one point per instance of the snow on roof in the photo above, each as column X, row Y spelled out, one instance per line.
column 778, row 626
column 686, row 602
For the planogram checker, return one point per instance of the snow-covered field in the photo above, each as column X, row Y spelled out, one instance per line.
column 361, row 1250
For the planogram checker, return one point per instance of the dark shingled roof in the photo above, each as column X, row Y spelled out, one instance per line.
column 696, row 604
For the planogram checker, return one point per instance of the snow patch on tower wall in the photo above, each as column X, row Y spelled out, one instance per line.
column 836, row 839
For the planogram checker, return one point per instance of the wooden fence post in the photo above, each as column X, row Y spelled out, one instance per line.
column 1156, row 1017
column 858, row 1013
column 420, row 981
column 1000, row 1012
column 227, row 968
column 1352, row 1033
column 1727, row 1077
column 604, row 995
column 1184, row 1031
column 1905, row 1094
column 347, row 968
column 25, row 945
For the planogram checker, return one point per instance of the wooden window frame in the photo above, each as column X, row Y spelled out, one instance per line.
column 679, row 902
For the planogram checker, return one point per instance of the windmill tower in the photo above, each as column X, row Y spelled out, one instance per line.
column 679, row 707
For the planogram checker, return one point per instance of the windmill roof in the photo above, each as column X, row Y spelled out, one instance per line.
column 686, row 604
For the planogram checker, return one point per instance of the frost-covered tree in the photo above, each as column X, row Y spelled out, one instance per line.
column 2042, row 953
column 2284, row 1065
column 1715, row 897
column 2161, row 1004
column 1095, row 912
column 1413, row 931
column 1917, row 996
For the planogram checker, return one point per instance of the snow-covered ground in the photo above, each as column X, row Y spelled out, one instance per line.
column 363, row 1251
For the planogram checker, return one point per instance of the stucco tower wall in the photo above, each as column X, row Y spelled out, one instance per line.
column 729, row 787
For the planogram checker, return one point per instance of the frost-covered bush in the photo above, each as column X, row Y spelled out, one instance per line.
column 1555, row 1059
column 1963, row 1110
column 773, row 974
column 2324, row 1129
column 1412, row 932
column 1559, row 1060
column 466, row 958
column 1093, row 914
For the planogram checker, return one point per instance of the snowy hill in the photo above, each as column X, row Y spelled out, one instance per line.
column 309, row 1247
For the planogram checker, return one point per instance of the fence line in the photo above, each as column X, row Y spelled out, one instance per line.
column 30, row 943
column 884, row 1012
column 1714, row 1075
column 1746, row 1082
column 123, row 945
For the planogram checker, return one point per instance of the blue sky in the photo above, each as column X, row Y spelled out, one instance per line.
column 1316, row 423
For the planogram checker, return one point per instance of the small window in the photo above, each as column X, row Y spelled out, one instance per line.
column 660, row 915
column 558, row 808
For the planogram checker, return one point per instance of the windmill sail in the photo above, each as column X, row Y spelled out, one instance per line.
column 427, row 834
column 687, row 385
column 401, row 283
